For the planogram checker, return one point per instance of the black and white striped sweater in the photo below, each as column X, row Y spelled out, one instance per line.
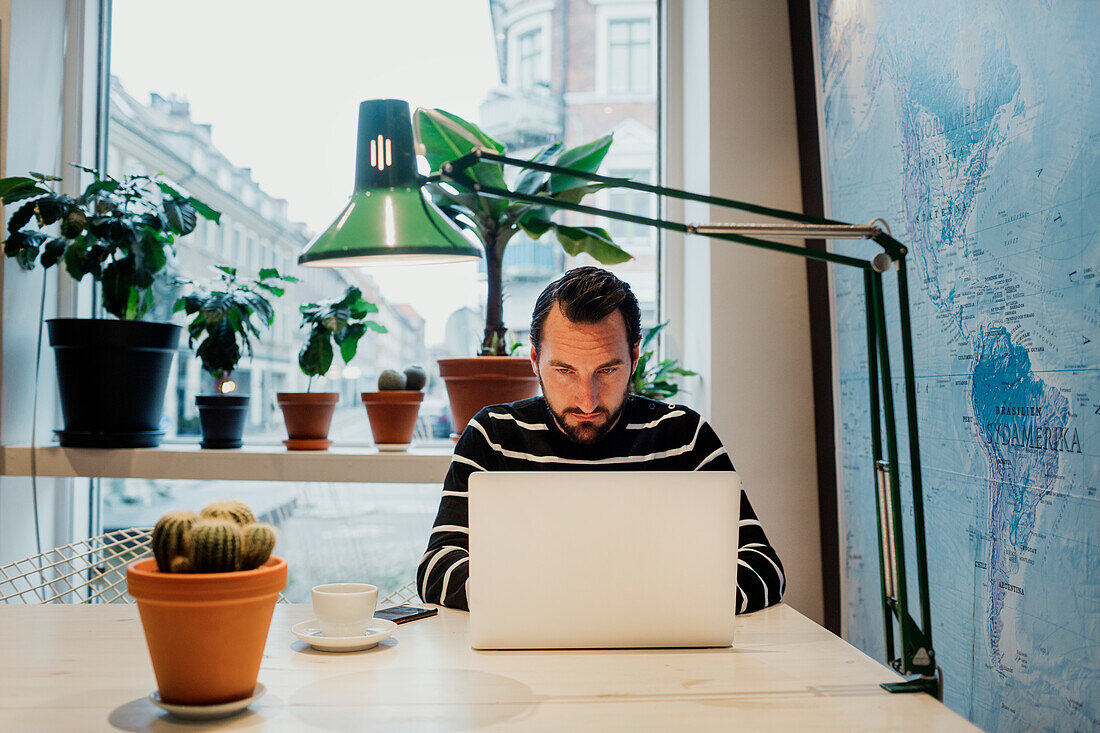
column 523, row 436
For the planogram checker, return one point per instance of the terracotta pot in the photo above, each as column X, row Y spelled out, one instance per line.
column 205, row 632
column 392, row 415
column 480, row 381
column 308, row 417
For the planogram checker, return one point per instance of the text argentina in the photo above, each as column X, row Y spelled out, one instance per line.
column 1033, row 436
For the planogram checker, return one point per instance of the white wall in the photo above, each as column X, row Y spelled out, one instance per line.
column 731, row 132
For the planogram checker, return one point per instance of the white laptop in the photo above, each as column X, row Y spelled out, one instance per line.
column 602, row 559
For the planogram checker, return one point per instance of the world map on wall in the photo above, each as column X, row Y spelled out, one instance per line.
column 973, row 129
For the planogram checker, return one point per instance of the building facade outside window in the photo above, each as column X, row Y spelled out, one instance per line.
column 630, row 56
column 529, row 63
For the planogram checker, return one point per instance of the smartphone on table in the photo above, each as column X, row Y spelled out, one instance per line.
column 404, row 614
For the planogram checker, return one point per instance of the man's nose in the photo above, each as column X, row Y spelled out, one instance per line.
column 588, row 398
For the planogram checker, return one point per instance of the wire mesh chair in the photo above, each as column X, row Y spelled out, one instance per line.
column 87, row 571
column 405, row 594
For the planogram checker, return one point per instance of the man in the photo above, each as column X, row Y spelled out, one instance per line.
column 585, row 334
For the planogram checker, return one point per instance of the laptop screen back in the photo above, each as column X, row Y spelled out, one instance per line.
column 602, row 559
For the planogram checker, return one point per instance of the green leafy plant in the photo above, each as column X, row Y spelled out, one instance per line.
column 655, row 380
column 122, row 233
column 227, row 314
column 342, row 321
column 495, row 221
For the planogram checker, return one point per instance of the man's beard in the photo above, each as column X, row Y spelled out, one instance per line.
column 584, row 433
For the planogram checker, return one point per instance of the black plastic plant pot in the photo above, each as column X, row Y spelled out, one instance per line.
column 111, row 376
column 222, row 418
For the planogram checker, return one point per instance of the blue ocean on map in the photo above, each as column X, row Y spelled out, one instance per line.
column 973, row 130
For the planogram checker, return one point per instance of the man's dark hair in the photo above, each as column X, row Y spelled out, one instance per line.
column 588, row 295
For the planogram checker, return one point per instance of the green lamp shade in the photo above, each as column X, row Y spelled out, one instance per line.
column 388, row 219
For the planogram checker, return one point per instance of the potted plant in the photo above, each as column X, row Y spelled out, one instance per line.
column 308, row 415
column 655, row 380
column 225, row 315
column 206, row 598
column 393, row 409
column 493, row 376
column 111, row 374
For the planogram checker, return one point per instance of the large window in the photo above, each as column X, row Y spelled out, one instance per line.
column 270, row 143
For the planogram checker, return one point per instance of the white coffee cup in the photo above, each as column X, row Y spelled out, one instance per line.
column 344, row 609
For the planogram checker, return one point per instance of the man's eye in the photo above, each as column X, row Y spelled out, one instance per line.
column 607, row 370
column 563, row 370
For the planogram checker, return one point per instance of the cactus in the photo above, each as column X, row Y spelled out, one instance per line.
column 232, row 510
column 215, row 546
column 415, row 377
column 391, row 379
column 258, row 540
column 171, row 538
column 226, row 537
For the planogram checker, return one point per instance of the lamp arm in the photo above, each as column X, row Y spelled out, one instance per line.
column 458, row 175
column 807, row 226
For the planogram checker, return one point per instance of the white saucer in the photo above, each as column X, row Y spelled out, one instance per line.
column 310, row 633
column 392, row 446
column 207, row 712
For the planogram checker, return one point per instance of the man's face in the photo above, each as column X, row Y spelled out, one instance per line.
column 584, row 370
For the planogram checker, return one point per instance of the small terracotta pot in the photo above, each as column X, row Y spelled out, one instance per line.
column 308, row 417
column 480, row 381
column 392, row 414
column 205, row 632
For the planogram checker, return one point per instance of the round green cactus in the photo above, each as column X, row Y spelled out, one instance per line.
column 415, row 377
column 171, row 538
column 391, row 379
column 258, row 540
column 231, row 509
column 215, row 546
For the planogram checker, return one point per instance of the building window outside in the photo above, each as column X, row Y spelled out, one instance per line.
column 630, row 58
column 529, row 63
column 629, row 201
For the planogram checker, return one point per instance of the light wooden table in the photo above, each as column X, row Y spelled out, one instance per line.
column 85, row 668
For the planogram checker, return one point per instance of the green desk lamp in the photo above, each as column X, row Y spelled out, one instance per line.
column 388, row 215
column 914, row 656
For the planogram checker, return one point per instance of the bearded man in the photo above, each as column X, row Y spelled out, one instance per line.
column 585, row 336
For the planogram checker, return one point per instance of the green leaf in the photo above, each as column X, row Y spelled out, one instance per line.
column 168, row 191
column 576, row 194
column 180, row 215
column 376, row 327
column 534, row 223
column 96, row 187
column 315, row 358
column 205, row 211
column 446, row 136
column 75, row 257
column 530, row 180
column 587, row 158
column 652, row 334
column 116, row 280
column 18, row 188
column 231, row 271
column 53, row 251
column 348, row 340
column 73, row 223
column 23, row 246
column 44, row 176
column 593, row 241
column 22, row 216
